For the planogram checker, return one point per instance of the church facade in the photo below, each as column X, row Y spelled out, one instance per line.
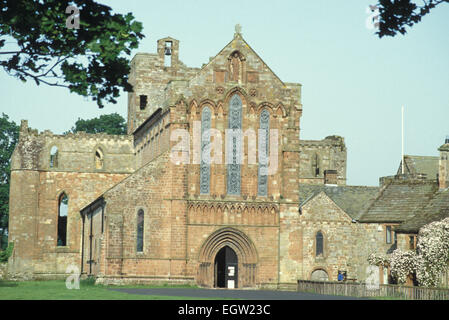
column 154, row 206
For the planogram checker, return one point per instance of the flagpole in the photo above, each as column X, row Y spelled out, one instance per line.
column 402, row 159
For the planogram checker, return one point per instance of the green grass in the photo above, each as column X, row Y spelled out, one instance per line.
column 56, row 290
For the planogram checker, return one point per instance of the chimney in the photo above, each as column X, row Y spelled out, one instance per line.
column 443, row 172
column 330, row 177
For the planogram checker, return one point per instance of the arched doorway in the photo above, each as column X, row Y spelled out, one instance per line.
column 319, row 275
column 226, row 268
column 219, row 251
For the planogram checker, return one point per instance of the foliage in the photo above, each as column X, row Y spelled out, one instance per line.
column 402, row 264
column 433, row 250
column 89, row 61
column 378, row 260
column 9, row 135
column 89, row 281
column 4, row 255
column 108, row 123
column 395, row 15
column 427, row 263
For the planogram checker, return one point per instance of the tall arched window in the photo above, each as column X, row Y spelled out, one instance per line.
column 234, row 141
column 63, row 208
column 140, row 220
column 315, row 165
column 319, row 244
column 206, row 116
column 54, row 157
column 98, row 159
column 262, row 186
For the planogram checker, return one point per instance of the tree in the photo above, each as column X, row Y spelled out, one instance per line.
column 108, row 123
column 395, row 15
column 9, row 135
column 49, row 49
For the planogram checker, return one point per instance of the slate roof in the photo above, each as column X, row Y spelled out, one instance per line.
column 351, row 199
column 436, row 209
column 420, row 165
column 398, row 200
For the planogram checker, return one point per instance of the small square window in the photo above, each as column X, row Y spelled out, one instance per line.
column 143, row 102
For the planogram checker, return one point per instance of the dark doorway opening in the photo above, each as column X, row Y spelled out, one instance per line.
column 226, row 268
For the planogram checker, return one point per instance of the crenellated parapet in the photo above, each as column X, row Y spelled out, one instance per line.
column 73, row 152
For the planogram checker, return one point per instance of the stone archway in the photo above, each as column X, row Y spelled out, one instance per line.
column 243, row 248
column 319, row 275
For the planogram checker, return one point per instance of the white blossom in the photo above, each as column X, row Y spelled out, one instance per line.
column 427, row 263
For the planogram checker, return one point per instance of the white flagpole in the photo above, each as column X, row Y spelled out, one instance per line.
column 403, row 164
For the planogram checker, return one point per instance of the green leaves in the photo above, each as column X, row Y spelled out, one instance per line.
column 9, row 135
column 395, row 15
column 109, row 123
column 4, row 255
column 91, row 61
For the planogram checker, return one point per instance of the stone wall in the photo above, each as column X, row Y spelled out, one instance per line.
column 36, row 187
column 75, row 152
column 317, row 156
column 149, row 76
column 347, row 243
column 152, row 138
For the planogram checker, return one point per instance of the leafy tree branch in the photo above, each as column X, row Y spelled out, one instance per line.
column 91, row 61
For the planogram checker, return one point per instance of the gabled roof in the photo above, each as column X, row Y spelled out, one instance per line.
column 437, row 209
column 420, row 165
column 239, row 42
column 398, row 200
column 351, row 199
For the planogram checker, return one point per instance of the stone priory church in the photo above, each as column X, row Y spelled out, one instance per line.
column 152, row 206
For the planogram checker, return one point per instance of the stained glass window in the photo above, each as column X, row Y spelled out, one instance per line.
column 262, row 186
column 205, row 151
column 234, row 140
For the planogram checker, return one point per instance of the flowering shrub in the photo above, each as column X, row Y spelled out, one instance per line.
column 433, row 251
column 402, row 264
column 378, row 260
column 428, row 262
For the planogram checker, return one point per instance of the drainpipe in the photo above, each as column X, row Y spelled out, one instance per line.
column 90, row 243
column 82, row 244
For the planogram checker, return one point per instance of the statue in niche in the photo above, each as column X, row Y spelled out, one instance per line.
column 235, row 66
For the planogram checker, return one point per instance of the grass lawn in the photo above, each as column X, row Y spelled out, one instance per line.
column 56, row 290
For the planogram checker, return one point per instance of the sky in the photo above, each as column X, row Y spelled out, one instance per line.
column 353, row 83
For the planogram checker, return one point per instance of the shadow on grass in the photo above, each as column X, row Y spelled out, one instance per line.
column 8, row 284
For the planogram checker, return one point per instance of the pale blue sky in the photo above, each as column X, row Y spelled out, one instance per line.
column 353, row 82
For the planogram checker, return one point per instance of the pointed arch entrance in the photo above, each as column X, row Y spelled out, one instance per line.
column 227, row 247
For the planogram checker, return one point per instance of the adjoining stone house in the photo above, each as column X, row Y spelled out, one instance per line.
column 132, row 209
column 436, row 209
column 332, row 239
column 406, row 202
